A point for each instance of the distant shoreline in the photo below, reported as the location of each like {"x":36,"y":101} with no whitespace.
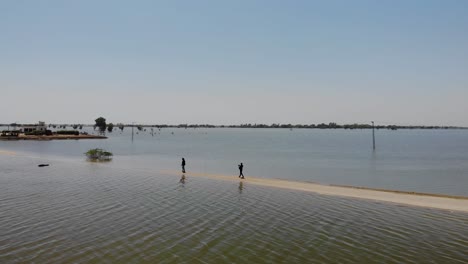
{"x":272,"y":126}
{"x":52,"y":137}
{"x":345,"y":127}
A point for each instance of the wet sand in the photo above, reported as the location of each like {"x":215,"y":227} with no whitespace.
{"x":438,"y":201}
{"x":8,"y":153}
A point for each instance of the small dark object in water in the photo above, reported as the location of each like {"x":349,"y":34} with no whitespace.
{"x":43,"y":165}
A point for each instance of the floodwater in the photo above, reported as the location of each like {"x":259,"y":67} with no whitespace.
{"x":431,"y":161}
{"x":129,"y":211}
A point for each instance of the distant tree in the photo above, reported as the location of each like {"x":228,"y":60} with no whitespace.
{"x":101,"y":123}
{"x":121,"y":126}
{"x":110,"y":127}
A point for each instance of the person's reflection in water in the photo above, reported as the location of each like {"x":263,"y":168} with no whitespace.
{"x":241,"y":187}
{"x":182,"y":179}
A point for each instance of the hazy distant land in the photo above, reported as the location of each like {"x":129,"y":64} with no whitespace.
{"x":255,"y":125}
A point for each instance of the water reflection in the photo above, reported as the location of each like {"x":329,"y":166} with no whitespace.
{"x":241,"y":187}
{"x":182,"y":179}
{"x":373,"y":162}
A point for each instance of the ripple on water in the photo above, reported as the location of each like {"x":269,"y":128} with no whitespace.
{"x":79,"y":213}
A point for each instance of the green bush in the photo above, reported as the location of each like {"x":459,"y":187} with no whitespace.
{"x":98,"y":154}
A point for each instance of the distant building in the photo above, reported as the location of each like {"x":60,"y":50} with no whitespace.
{"x":28,"y":128}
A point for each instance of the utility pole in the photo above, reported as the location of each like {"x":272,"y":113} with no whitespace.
{"x":133,"y":124}
{"x":373,"y":135}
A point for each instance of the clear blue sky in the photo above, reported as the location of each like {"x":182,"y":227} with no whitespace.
{"x":223,"y":62}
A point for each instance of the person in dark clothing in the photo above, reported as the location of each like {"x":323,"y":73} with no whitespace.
{"x":183,"y":165}
{"x":241,"y":167}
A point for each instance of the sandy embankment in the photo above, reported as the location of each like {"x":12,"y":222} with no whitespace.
{"x":8,"y":153}
{"x":446,"y":202}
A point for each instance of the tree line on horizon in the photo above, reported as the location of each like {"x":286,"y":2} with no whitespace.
{"x":101,"y":124}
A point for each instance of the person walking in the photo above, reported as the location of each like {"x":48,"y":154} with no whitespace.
{"x":183,"y":165}
{"x":241,"y":174}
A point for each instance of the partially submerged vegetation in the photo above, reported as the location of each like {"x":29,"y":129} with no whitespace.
{"x":110,"y":127}
{"x":101,"y":124}
{"x":98,"y":154}
{"x":332,"y":125}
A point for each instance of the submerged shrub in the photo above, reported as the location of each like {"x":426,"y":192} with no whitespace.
{"x":98,"y":154}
